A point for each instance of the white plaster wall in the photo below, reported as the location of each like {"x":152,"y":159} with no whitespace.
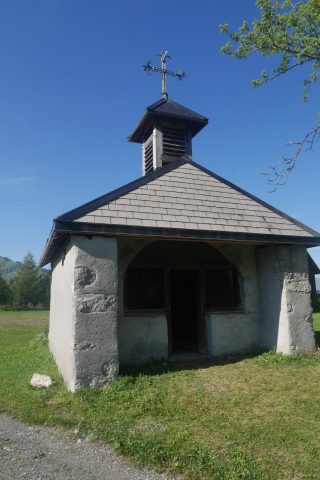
{"x":230,"y":333}
{"x":62,"y":314}
{"x":142,"y":338}
{"x":285,"y":301}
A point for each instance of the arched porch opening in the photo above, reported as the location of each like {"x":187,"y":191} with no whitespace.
{"x":184,"y":281}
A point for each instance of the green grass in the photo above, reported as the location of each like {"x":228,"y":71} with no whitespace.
{"x":316,"y":327}
{"x":254,"y":419}
{"x":34,"y":317}
{"x":316,"y":322}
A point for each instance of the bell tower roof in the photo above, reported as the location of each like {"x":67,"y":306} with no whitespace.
{"x":167,"y":109}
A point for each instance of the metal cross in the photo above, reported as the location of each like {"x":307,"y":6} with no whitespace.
{"x":148,"y":67}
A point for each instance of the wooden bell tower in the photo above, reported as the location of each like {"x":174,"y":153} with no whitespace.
{"x":167,"y":128}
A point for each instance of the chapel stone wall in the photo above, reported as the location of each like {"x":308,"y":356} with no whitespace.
{"x":142,"y":337}
{"x":285,"y":303}
{"x":237,"y":332}
{"x":96,"y":307}
{"x":87,"y":277}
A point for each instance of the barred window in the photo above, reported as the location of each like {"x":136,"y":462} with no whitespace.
{"x":222,"y":289}
{"x":144,"y":288}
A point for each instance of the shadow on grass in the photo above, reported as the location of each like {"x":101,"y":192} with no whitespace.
{"x":317,"y":337}
{"x":176,"y":364}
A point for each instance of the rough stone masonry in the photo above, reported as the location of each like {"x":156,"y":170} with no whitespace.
{"x":87,"y":275}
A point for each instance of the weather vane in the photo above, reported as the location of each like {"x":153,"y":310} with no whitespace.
{"x":148,"y":67}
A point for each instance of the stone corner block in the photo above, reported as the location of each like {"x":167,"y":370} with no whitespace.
{"x":93,"y":303}
{"x":84,"y":277}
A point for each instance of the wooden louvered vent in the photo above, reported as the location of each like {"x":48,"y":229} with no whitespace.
{"x":174,"y":141}
{"x":148,"y":157}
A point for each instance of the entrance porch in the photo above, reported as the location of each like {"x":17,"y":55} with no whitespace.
{"x":181,"y":297}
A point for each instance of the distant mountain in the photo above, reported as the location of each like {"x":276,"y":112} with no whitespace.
{"x":8,"y":268}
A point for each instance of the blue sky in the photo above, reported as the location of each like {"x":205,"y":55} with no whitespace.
{"x":72,"y":88}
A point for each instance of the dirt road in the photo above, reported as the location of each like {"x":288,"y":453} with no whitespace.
{"x":41,"y":453}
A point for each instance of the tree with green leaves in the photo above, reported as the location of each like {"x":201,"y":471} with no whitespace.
{"x":290,"y":33}
{"x":26,"y":284}
{"x":4,"y":292}
{"x":45,"y":287}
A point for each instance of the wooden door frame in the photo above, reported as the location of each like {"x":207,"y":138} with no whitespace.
{"x":202,"y":328}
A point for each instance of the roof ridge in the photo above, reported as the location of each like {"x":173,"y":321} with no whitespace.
{"x":256,"y":199}
{"x":187,"y":108}
{"x":162,"y":101}
{"x":156,"y":104}
{"x":119,"y":192}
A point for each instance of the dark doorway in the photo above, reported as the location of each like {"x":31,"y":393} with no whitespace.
{"x":185,"y":310}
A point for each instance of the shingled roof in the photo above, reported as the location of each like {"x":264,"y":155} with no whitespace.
{"x":183,"y":200}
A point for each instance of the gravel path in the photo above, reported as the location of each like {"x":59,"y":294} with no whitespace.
{"x":41,"y":453}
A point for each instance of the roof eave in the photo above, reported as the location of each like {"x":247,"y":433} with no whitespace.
{"x":313,"y":266}
{"x":62,"y":229}
{"x":53,"y":245}
{"x":139,"y":133}
{"x":83,"y":227}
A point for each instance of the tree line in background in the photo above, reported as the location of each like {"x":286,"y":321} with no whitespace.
{"x":29,"y":288}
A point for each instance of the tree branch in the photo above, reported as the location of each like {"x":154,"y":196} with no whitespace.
{"x":291,"y":67}
{"x":279,"y":172}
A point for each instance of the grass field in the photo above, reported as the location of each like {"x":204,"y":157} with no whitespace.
{"x":254,"y":419}
{"x":316,"y":322}
{"x":24,"y":318}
